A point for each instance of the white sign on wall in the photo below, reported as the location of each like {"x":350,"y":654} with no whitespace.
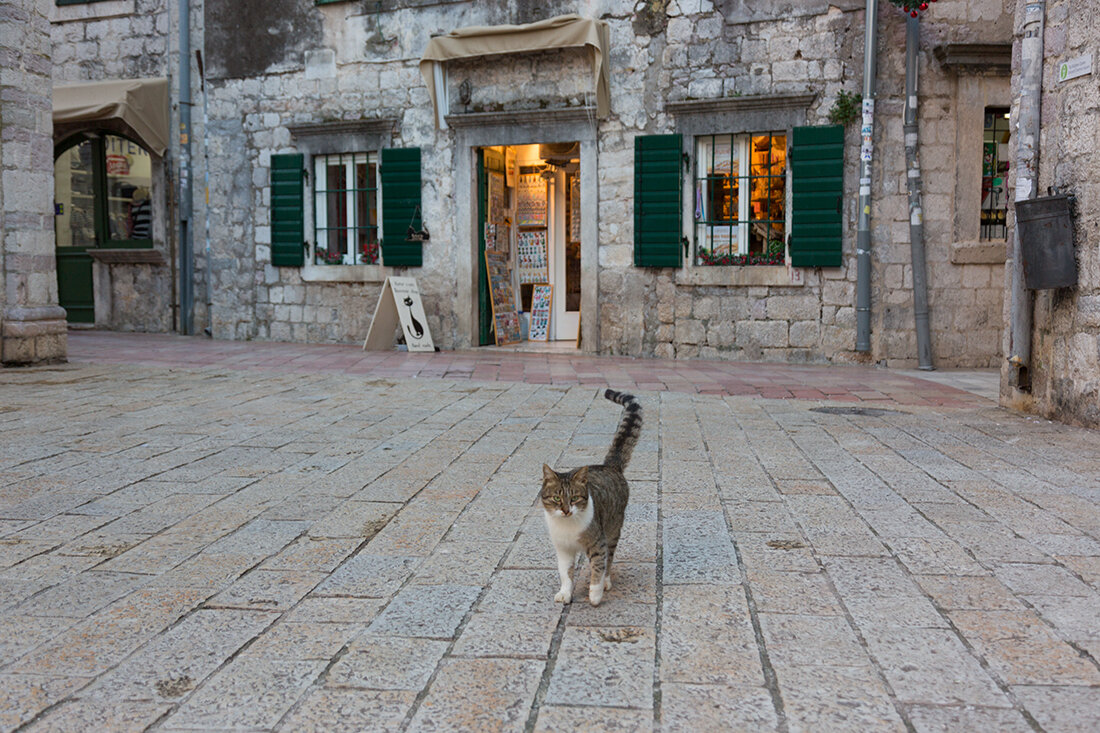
{"x":399,"y":304}
{"x":1080,"y":66}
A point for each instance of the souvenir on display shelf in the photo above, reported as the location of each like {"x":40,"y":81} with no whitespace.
{"x":541,"y":299}
{"x":531,"y":201}
{"x":502,"y":298}
{"x":531,"y":252}
{"x":575,"y":208}
{"x":497,"y":193}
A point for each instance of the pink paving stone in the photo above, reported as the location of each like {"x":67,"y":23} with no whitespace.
{"x":774,"y":381}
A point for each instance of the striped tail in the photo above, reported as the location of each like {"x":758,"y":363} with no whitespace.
{"x":630,"y":426}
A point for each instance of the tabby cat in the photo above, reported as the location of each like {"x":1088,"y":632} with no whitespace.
{"x":584,"y":507}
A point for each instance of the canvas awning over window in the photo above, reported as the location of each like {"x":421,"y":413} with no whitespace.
{"x":564,"y":31}
{"x":140,"y":103}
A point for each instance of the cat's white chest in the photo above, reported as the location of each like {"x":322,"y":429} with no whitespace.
{"x":565,"y":532}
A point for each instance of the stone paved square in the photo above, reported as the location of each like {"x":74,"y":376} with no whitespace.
{"x":230,"y":547}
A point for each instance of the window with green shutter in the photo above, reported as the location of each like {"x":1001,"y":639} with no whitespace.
{"x":658,"y":236}
{"x":401,"y":207}
{"x":817,"y":186}
{"x":287,"y":210}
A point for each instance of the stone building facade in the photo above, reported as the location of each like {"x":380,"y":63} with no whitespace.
{"x":32,"y":325}
{"x":339,"y":75}
{"x":316,"y":79}
{"x":1065,"y":347}
{"x":127,"y":287}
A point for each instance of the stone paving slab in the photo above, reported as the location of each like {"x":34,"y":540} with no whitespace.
{"x":245,"y":546}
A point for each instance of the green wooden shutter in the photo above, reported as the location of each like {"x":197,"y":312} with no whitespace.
{"x":287,"y":210}
{"x":657,"y":201}
{"x":400,"y":206}
{"x":817,"y":183}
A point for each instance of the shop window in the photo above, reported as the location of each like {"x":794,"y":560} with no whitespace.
{"x":102,"y":193}
{"x":345,"y":209}
{"x":995,"y":174}
{"x":740,"y":199}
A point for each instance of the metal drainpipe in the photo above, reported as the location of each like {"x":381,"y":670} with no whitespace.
{"x":1027,"y":179}
{"x":914,"y":186}
{"x":209,"y":330}
{"x":866,"y":154}
{"x":186,"y":270}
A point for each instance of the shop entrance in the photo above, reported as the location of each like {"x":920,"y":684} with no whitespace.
{"x":528,"y":215}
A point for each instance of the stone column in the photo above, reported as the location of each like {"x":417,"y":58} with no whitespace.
{"x":32,"y":324}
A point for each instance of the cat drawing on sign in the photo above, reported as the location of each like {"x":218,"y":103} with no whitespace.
{"x":417,"y":330}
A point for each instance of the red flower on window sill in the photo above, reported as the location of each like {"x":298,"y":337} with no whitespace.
{"x":706,"y":257}
{"x":369,"y":252}
{"x":326,"y":257}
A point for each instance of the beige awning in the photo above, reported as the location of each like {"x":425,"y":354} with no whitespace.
{"x":140,"y":103}
{"x":564,"y":31}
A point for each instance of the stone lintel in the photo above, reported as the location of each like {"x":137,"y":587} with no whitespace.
{"x":741,"y":104}
{"x":976,"y":57}
{"x":377,"y":126}
{"x":523,"y":116}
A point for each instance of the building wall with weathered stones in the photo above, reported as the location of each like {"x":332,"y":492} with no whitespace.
{"x":125,"y":39}
{"x":348,"y":63}
{"x":703,"y":55}
{"x":32,"y":325}
{"x":1065,"y":351}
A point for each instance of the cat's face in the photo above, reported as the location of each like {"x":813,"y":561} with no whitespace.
{"x":563,"y":495}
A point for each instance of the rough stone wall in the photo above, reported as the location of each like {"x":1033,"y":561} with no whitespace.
{"x":731,"y":51}
{"x":360,"y":64}
{"x":965,"y":291}
{"x":116,"y":39}
{"x":125,"y":39}
{"x":32,"y":326}
{"x":1065,"y":360}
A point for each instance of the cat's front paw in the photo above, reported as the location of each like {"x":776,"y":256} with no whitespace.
{"x":565,"y":595}
{"x":595,"y":594}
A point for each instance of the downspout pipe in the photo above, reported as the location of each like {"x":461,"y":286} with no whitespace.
{"x":866,"y":156}
{"x":1027,"y":179}
{"x":209,"y":330}
{"x":187,"y":265}
{"x":914,"y":186}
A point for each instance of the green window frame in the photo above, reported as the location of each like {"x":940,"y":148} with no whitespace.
{"x":739,"y":199}
{"x":400,"y":174}
{"x":658,"y":235}
{"x":345,"y":209}
{"x":817,"y":196}
{"x":287,"y":210}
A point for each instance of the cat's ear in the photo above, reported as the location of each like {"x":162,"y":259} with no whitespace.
{"x":548,"y":473}
{"x":580,"y":478}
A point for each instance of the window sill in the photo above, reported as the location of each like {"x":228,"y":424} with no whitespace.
{"x":979,"y":253}
{"x":778,"y":276}
{"x":345,"y":273}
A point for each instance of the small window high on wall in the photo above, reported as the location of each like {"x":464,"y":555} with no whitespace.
{"x":995,"y":174}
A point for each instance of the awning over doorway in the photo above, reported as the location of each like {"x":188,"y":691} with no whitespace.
{"x":140,"y":103}
{"x":564,"y":31}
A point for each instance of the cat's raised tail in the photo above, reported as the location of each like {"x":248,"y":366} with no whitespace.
{"x":630,"y":426}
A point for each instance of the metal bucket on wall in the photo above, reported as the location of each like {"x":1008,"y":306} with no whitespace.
{"x":1045,"y":228}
